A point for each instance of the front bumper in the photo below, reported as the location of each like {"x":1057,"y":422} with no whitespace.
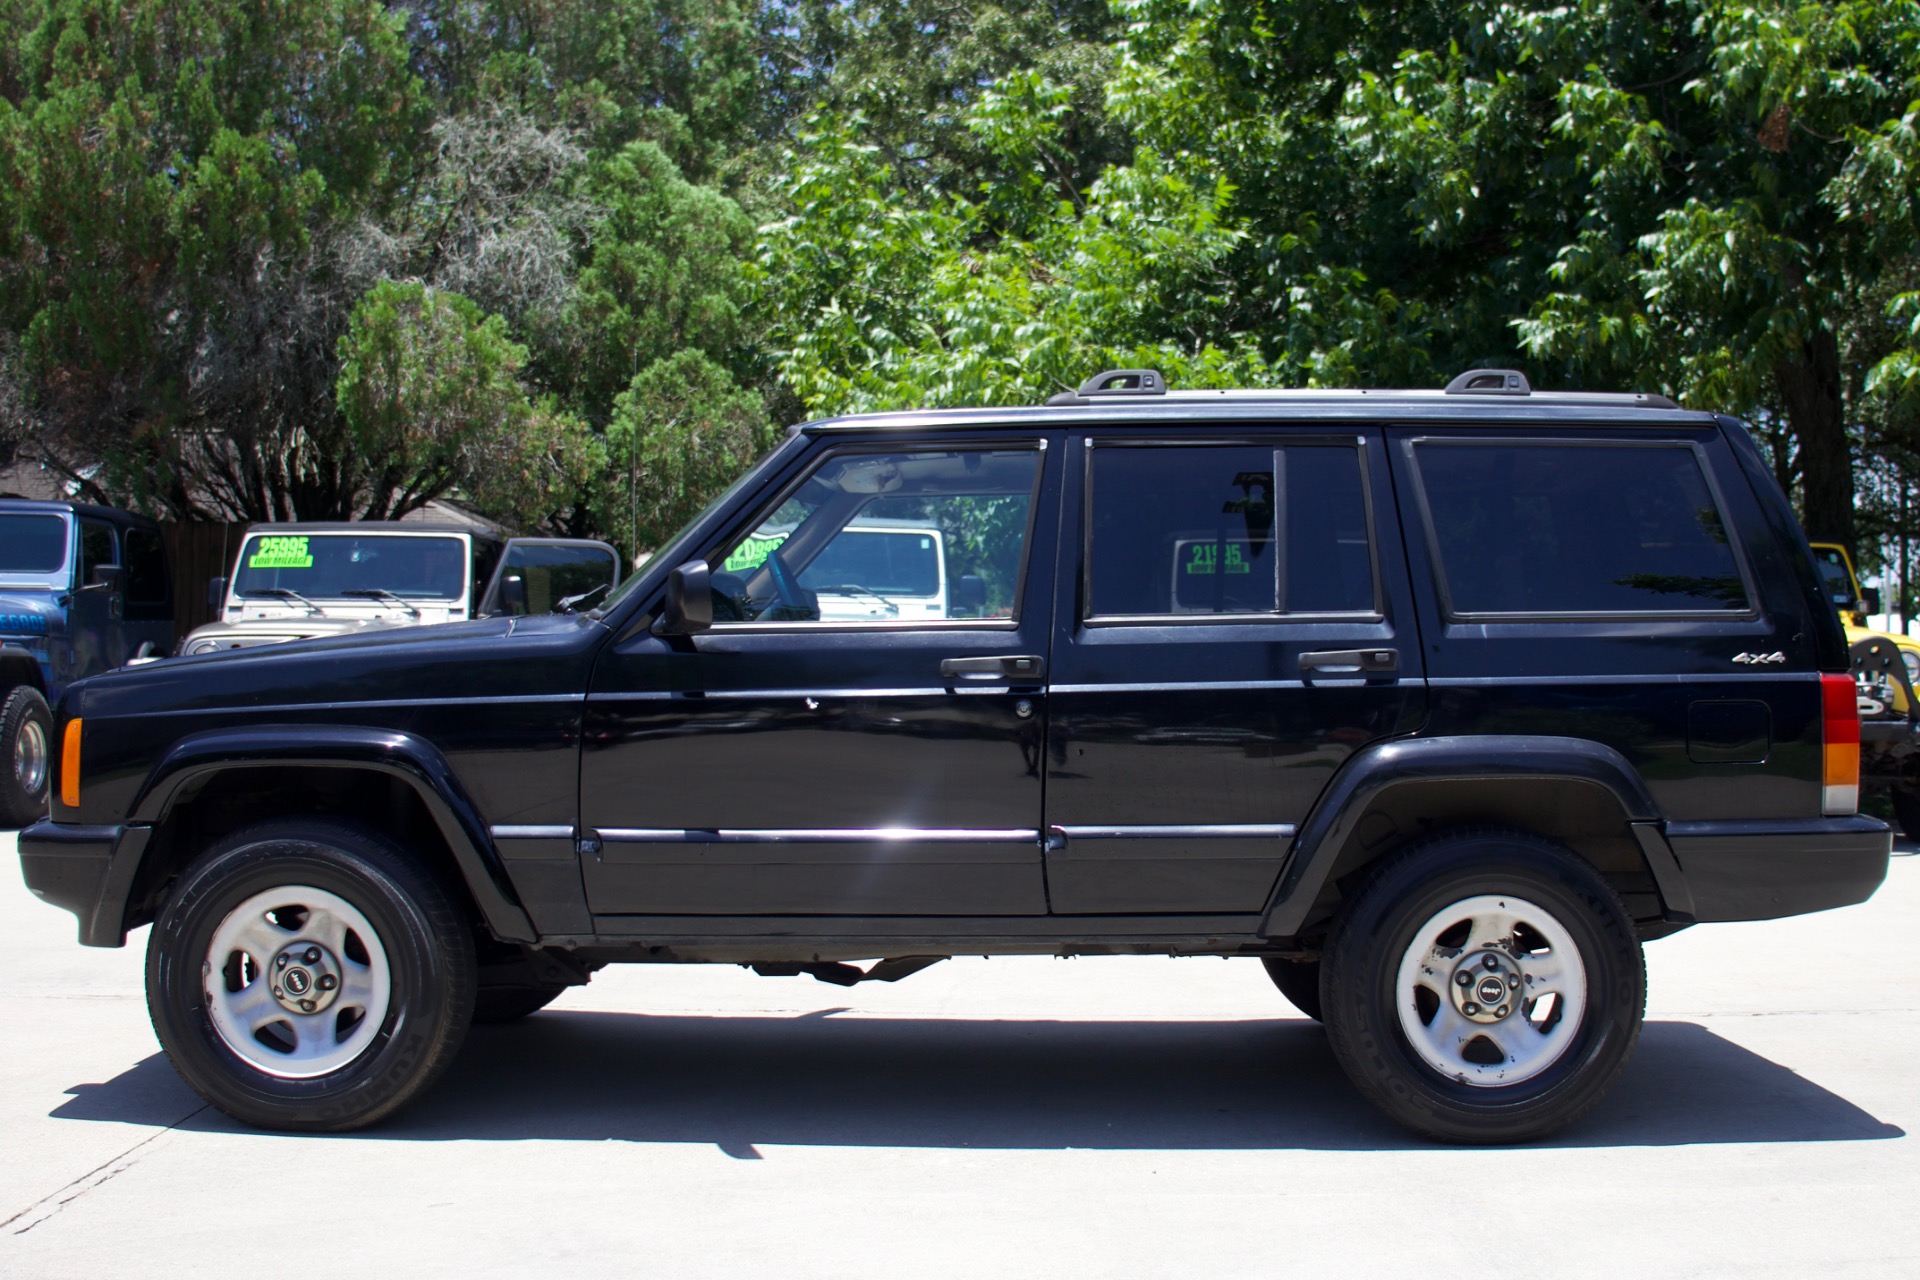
{"x":85,"y":870}
{"x":1764,"y":870}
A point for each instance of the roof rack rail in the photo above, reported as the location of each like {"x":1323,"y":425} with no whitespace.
{"x":1490,"y":382}
{"x":1115,"y":382}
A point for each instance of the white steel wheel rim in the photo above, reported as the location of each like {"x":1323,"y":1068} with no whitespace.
{"x":1494,"y":939}
{"x":253,"y":1002}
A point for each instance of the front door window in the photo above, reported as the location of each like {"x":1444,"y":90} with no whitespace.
{"x":886,"y":537}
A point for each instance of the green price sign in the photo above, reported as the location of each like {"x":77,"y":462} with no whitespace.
{"x":752,"y":553}
{"x":1203,"y":559}
{"x":285,"y":552}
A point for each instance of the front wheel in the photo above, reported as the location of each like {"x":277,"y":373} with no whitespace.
{"x":26,"y":735}
{"x":1484,"y":987}
{"x":309,"y":975}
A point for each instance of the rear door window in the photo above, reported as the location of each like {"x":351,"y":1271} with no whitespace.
{"x":146,"y":567}
{"x":1579,"y":528}
{"x":1228,"y":530}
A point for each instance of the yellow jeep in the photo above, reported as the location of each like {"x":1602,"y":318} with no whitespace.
{"x":1886,"y":667}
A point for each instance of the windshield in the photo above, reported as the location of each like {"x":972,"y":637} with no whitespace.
{"x":32,"y":543}
{"x":1835,"y":578}
{"x":326,"y":566}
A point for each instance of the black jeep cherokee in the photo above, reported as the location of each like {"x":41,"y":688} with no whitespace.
{"x":1440,"y":704}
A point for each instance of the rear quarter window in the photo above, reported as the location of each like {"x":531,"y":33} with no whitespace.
{"x":1550,"y":528}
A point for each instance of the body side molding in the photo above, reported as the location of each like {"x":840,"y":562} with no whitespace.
{"x":195,"y":760}
{"x":1480,"y":758}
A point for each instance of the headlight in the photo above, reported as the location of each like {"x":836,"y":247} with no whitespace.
{"x":1912,"y":661}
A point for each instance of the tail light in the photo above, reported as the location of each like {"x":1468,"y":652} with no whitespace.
{"x":70,"y":765}
{"x":1840,"y":745}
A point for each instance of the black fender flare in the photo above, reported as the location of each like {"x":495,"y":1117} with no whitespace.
{"x":197,"y":759}
{"x":19,"y":667}
{"x":1383,"y":765}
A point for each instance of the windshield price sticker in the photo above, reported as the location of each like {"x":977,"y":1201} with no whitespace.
{"x":281,"y":552}
{"x":752,"y":553}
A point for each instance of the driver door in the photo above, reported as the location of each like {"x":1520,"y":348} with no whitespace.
{"x":825,"y":749}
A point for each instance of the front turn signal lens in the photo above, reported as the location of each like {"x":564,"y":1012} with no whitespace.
{"x":70,"y":765}
{"x":1840,"y":745}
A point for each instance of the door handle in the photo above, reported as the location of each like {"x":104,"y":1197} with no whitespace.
{"x":1024,"y":668}
{"x":1358,"y":662}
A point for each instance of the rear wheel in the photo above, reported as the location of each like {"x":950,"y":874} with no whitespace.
{"x":308,"y":975}
{"x":26,"y":735}
{"x":1299,"y":982}
{"x":1484,"y":986}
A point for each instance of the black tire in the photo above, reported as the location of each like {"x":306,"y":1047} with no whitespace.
{"x":424,"y":936}
{"x":1906,"y":810}
{"x":1299,"y":982}
{"x":510,"y":1004}
{"x":1411,"y":891}
{"x":26,"y":737}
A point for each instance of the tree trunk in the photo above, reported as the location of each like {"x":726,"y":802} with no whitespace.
{"x":1810,"y":385}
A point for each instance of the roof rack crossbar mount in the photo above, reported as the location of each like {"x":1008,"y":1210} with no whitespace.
{"x":1490,"y":382}
{"x":1125,"y":382}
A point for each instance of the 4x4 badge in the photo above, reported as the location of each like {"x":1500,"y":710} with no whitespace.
{"x":1754,"y":659}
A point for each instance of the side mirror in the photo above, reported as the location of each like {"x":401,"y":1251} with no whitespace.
{"x":1869,"y":601}
{"x":216,"y":593}
{"x":689,"y":606}
{"x":111,"y":576}
{"x":968,"y":597}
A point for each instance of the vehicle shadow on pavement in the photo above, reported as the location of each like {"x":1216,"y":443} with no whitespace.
{"x":823,"y":1080}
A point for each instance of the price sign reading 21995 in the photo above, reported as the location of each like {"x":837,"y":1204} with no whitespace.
{"x":1203,"y":558}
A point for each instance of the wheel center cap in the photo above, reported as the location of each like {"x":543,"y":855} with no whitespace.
{"x":1487,"y":986}
{"x":306,"y":977}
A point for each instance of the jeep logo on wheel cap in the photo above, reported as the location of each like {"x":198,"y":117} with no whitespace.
{"x":297,"y":982}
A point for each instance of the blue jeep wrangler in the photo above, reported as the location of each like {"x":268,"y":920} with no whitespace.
{"x":82,"y":590}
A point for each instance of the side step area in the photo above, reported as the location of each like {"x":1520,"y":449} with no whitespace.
{"x":846,"y":975}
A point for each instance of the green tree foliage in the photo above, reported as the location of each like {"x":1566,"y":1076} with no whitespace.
{"x":666,"y":272}
{"x":671,"y":224}
{"x":430,"y":393}
{"x":680,"y":432}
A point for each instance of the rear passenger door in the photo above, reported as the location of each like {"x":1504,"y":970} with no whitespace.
{"x":1239,"y":624}
{"x":1618,"y":584}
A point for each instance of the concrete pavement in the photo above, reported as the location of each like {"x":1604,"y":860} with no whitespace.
{"x":1095,"y":1117}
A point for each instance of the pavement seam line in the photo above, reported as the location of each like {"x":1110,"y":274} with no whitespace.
{"x":91,"y":1178}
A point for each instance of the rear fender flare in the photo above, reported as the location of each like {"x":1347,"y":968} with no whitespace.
{"x":198,"y":759}
{"x":1480,"y":758}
